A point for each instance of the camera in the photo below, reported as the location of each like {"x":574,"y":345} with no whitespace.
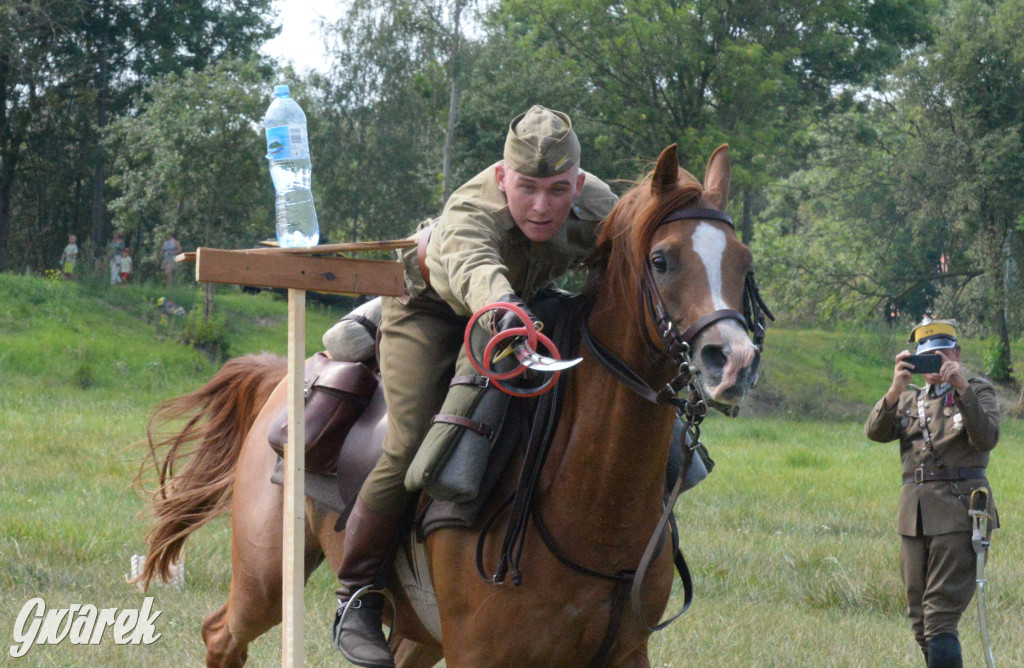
{"x":925,"y":363}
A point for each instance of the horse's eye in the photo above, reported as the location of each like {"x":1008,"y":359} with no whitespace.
{"x":659,"y":263}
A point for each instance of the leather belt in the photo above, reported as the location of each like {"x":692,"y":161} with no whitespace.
{"x":922,"y":475}
{"x":421,"y":253}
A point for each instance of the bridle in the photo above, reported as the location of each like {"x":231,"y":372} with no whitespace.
{"x":677,"y":345}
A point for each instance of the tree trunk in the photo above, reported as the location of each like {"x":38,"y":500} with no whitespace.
{"x":98,"y":208}
{"x":453,"y":104}
{"x":746,"y":224}
{"x":1003,"y":319}
{"x":207,"y":301}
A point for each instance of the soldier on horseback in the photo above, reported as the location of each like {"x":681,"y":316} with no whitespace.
{"x":502,"y":236}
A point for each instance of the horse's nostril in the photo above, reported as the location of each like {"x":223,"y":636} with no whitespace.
{"x":713,"y":357}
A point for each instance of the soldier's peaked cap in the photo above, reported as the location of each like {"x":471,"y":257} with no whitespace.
{"x":541,"y":142}
{"x":933,"y":335}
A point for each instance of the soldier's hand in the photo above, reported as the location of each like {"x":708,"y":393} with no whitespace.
{"x":952,"y":373}
{"x":508,"y":319}
{"x":900,"y":379}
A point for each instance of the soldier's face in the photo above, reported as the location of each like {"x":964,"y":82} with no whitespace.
{"x":539,"y":205}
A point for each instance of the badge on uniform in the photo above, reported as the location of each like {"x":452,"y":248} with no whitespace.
{"x":958,"y":421}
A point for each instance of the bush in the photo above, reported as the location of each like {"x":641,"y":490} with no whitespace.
{"x":209,"y":336}
{"x":997,"y":361}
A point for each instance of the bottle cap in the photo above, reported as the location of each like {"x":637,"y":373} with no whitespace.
{"x":281,"y":90}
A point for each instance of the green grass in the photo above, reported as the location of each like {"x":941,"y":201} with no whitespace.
{"x":791,"y":540}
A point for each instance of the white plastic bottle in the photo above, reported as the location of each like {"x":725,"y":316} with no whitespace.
{"x":291,"y":171}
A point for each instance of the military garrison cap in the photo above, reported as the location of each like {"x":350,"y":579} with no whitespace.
{"x":933,"y":335}
{"x":541,"y":142}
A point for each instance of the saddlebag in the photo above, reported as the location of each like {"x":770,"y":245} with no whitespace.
{"x":451,"y":462}
{"x":336,"y":394}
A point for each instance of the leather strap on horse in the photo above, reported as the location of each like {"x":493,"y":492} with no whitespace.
{"x":622,"y":373}
{"x":650,"y":553}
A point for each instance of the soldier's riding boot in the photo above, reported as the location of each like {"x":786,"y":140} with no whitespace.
{"x":369,"y":537}
{"x":944,"y":651}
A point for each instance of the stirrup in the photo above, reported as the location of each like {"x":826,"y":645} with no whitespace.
{"x":354,"y":604}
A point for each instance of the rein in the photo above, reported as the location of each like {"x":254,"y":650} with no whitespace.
{"x":693,"y":409}
{"x":676,"y":346}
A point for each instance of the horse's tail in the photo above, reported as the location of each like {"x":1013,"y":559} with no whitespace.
{"x":219,"y":416}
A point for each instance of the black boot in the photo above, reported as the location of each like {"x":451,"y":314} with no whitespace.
{"x":369,"y":537}
{"x":944,"y":651}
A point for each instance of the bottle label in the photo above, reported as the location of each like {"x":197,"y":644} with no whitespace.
{"x":287,"y":142}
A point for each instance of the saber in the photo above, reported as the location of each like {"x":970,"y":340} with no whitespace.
{"x":980,"y":517}
{"x":531,"y":359}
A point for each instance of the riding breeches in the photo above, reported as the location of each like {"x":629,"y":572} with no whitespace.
{"x":938,"y":573}
{"x":419,"y":347}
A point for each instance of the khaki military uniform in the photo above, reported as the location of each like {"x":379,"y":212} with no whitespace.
{"x":476,"y":255}
{"x":937,"y":560}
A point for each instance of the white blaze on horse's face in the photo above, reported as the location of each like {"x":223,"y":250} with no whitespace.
{"x":705,"y":265}
{"x":709,"y":244}
{"x":724,"y":352}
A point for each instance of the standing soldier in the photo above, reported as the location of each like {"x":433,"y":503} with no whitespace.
{"x":502,"y":236}
{"x":946,"y":430}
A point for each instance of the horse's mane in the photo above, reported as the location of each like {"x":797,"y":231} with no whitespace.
{"x":618,"y":259}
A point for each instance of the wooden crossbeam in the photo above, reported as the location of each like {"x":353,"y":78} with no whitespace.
{"x":299,"y":271}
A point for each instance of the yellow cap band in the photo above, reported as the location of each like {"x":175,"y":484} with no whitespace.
{"x":933,"y":329}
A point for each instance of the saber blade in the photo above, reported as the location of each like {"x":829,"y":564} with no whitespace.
{"x":990,"y":660}
{"x":531,"y":359}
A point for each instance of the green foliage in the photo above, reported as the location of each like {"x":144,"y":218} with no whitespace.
{"x":191,"y":160}
{"x":208,"y":335}
{"x":67,"y":69}
{"x":997,"y":361}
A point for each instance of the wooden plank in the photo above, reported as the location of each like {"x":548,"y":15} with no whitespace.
{"x":300,"y":272}
{"x":351,"y":247}
{"x":293,"y":533}
{"x":325,"y":249}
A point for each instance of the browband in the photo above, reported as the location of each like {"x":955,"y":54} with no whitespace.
{"x":698,"y":212}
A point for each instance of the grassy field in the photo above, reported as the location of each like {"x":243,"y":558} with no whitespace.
{"x":791,"y":540}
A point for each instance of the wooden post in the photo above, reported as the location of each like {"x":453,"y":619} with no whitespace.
{"x":293,"y":576}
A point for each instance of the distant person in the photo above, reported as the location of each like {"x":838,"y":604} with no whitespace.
{"x":114,"y":249}
{"x":69,"y":257}
{"x":126,"y":265}
{"x":170,"y":249}
{"x":946,"y":430}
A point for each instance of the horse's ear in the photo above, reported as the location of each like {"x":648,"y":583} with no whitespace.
{"x":717,"y":177}
{"x":666,"y":172}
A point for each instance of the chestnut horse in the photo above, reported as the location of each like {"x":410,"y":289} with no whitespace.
{"x":666,"y":261}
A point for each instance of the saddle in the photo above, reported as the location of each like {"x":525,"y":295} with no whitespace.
{"x":348,"y":454}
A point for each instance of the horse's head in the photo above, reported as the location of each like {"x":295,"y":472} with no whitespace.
{"x":670,"y":242}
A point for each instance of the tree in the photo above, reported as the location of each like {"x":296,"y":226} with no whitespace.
{"x":392,"y":94}
{"x":967,"y":90}
{"x":651,"y":72}
{"x":913,"y":202}
{"x":84,"y":63}
{"x":192,"y":160}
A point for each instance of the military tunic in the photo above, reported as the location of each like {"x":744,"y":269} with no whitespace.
{"x":475,"y":255}
{"x":936,"y":557}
